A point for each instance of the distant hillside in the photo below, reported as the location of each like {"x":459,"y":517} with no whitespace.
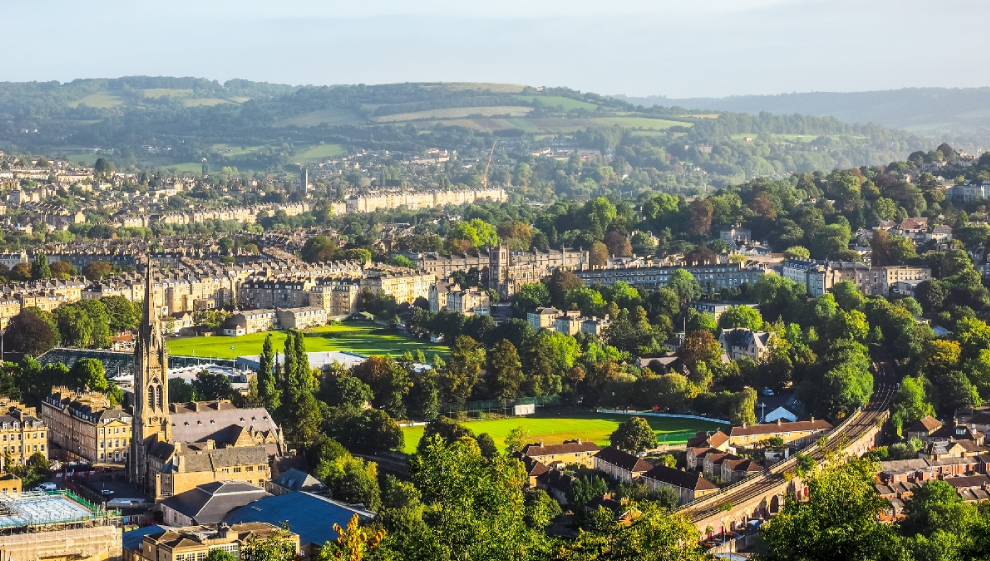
{"x":961,"y":112}
{"x":178,"y":122}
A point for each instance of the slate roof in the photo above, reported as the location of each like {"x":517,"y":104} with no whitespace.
{"x":189,"y":425}
{"x":309,"y":515}
{"x":295,"y":480}
{"x":209,"y":503}
{"x":968,"y":481}
{"x":623,"y":460}
{"x":132,"y":539}
{"x":678,"y":478}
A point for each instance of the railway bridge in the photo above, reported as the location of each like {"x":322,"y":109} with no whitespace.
{"x":764,"y":494}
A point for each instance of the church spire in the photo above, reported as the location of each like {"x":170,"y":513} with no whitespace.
{"x":149,"y":315}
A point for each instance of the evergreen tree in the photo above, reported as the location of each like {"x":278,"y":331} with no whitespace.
{"x":268,"y":386}
{"x":301,"y":411}
{"x":41,"y":268}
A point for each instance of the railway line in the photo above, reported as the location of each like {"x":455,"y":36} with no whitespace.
{"x":864,"y":420}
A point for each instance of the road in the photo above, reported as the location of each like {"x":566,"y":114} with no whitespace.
{"x":884,"y":387}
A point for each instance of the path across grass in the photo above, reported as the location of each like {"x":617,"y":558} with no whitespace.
{"x":554,"y":429}
{"x":352,"y":337}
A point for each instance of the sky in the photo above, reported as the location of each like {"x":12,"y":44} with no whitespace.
{"x":676,"y":48}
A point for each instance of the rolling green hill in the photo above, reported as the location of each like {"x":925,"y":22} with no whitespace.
{"x":177,"y":122}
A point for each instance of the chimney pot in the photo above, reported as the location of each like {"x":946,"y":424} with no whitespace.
{"x":778,"y":422}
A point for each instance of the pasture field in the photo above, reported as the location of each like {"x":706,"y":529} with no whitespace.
{"x":455,"y":113}
{"x":188,"y":167}
{"x":318,"y":153}
{"x":482,"y":86}
{"x":166,"y":92}
{"x":332,"y":116}
{"x":556,"y":428}
{"x":101,"y":100}
{"x":558,"y":101}
{"x":235,"y":151}
{"x":353,"y":337}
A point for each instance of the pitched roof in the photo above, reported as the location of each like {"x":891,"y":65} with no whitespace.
{"x":968,"y":481}
{"x":678,"y":478}
{"x":623,"y":460}
{"x":568,"y":447}
{"x":309,"y":515}
{"x":209,"y":503}
{"x":897,"y":466}
{"x":920,"y":223}
{"x":925,"y":424}
{"x":708,"y":439}
{"x":774,"y":428}
{"x":295,"y":480}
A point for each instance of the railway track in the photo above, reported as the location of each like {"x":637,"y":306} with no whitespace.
{"x":884,"y":386}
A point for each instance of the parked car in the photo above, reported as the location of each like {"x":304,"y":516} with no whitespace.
{"x":46,"y":486}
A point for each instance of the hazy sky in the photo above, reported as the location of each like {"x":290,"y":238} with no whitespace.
{"x":676,"y":48}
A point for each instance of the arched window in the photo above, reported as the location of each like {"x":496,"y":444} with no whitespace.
{"x":161,"y":396}
{"x":151,"y":396}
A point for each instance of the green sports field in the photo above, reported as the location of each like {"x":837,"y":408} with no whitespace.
{"x":353,"y":337}
{"x":554,"y":429}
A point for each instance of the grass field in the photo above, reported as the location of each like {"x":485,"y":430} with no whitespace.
{"x":235,"y":151}
{"x":455,"y":113}
{"x":554,"y":429}
{"x":166,"y":92}
{"x":333,"y":116}
{"x":482,"y":86}
{"x":101,"y":100}
{"x":558,"y":101}
{"x":318,"y":153}
{"x":352,"y":337}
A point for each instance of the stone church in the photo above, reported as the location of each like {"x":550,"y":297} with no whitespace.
{"x":176,"y":447}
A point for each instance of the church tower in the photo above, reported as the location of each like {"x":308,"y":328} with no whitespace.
{"x":150,"y":422}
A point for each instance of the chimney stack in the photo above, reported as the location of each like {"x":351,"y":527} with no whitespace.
{"x":778,"y":422}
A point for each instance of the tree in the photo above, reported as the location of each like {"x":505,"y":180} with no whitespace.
{"x":559,"y":284}
{"x":180,"y":391}
{"x":21,"y":272}
{"x":423,"y":401}
{"x":618,"y":244}
{"x":30,"y":334}
{"x":269,"y":389}
{"x":277,"y":546}
{"x":487,"y":445}
{"x":88,"y":373}
{"x":41,"y":269}
{"x":463,"y":370}
{"x":121,"y":313}
{"x":318,"y":249}
{"x":743,"y":408}
{"x":62,"y":269}
{"x":218,"y":554}
{"x":351,"y":544}
{"x":517,"y":439}
{"x":598,"y":254}
{"x":634,"y":435}
{"x":585,"y":488}
{"x":810,"y":531}
{"x":504,"y":371}
{"x":700,"y":212}
{"x":301,"y":412}
{"x":389,"y":383}
{"x":683,"y":283}
{"x":740,"y":316}
{"x":541,"y":509}
{"x":97,"y":270}
{"x":344,"y":390}
{"x":847,"y":296}
{"x":797,"y":252}
{"x":529,"y":297}
{"x":910,"y":403}
{"x":210,"y":387}
{"x":350,"y":479}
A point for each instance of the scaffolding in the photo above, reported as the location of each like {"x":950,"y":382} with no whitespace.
{"x":39,"y":508}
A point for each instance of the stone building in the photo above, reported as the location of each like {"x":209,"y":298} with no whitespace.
{"x":84,"y":425}
{"x":22,"y":433}
{"x":194,"y":543}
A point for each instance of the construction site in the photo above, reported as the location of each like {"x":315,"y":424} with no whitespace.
{"x":57,"y":526}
